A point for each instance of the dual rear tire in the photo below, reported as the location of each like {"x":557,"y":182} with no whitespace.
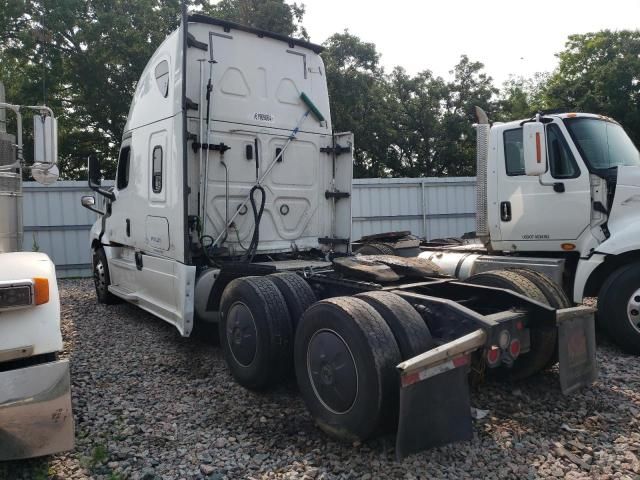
{"x":346,"y":352}
{"x":258,"y":316}
{"x":343,"y":350}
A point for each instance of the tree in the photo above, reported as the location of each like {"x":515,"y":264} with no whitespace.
{"x":91,"y":54}
{"x":600,"y":73}
{"x":357,"y":92}
{"x":272,"y":15}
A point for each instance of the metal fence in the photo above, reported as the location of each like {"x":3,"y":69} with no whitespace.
{"x":56,"y":223}
{"x":428,"y":207}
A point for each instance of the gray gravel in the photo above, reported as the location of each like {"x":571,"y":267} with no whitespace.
{"x":149,"y":404}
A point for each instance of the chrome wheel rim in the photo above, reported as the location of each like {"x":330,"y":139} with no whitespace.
{"x":633,"y":310}
{"x":99,"y":276}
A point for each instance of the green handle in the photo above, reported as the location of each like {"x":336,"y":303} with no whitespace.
{"x":307,"y":101}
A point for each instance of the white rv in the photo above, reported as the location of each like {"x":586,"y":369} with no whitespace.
{"x":232,"y":205}
{"x":35,"y":396}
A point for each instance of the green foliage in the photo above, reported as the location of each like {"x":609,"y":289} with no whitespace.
{"x":403,"y":125}
{"x":91,"y":54}
{"x":600,"y":73}
{"x":272,"y":15}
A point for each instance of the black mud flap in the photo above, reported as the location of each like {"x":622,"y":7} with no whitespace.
{"x":435,"y":407}
{"x":576,"y":348}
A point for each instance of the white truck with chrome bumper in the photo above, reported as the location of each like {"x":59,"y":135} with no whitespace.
{"x":35,"y":396}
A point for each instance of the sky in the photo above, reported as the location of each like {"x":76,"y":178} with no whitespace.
{"x":513,"y":37}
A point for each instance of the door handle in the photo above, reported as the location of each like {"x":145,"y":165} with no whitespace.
{"x":128,"y":227}
{"x":505,"y":211}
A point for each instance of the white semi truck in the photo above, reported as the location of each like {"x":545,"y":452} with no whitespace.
{"x":557,"y":193}
{"x":232,"y":205}
{"x":35,"y":396}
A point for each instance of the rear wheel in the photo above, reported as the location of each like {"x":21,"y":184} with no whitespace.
{"x":375,"y":249}
{"x":296,"y":292}
{"x":555,"y":295}
{"x":543,"y":339}
{"x":345,"y":358}
{"x":102,"y":279}
{"x":619,"y":307}
{"x":409,"y":329}
{"x":255,"y":332}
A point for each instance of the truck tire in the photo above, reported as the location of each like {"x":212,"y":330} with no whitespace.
{"x":619,"y":307}
{"x":297,"y":293}
{"x":102,"y":279}
{"x":543,"y":339}
{"x":409,"y":329}
{"x":375,"y":248}
{"x":555,"y":295}
{"x":345,"y":358}
{"x":255,"y":332}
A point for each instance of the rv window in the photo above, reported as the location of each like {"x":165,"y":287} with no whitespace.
{"x":156,"y":170}
{"x":123,"y":168}
{"x":513,"y":153}
{"x":162,"y":77}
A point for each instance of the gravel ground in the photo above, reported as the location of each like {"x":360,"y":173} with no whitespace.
{"x":149,"y":404}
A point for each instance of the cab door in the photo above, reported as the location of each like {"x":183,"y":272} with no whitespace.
{"x":541,"y":213}
{"x":120,"y":225}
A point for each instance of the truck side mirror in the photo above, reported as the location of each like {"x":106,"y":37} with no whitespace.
{"x":45,"y":139}
{"x":95,"y":178}
{"x":94,"y":171}
{"x":535,"y":148}
{"x":89,"y":202}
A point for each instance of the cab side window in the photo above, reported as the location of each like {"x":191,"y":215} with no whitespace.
{"x":561,"y":161}
{"x":122,"y":177}
{"x":162,"y":77}
{"x":513,"y":152}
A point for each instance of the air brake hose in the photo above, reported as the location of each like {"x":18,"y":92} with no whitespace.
{"x":257,"y":217}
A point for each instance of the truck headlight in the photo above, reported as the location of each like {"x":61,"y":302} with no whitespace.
{"x":23,"y":293}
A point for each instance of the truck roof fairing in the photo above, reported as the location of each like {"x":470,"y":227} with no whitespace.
{"x":228,"y":26}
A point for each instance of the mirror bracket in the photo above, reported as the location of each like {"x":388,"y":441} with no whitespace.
{"x":94,"y":179}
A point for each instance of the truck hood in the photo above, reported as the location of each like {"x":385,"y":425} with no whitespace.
{"x":21,"y":265}
{"x":36,"y":327}
{"x":624,"y":219}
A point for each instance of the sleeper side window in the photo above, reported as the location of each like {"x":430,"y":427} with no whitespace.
{"x":156,"y":170}
{"x":513,"y":152}
{"x":124,"y":162}
{"x":561,"y":161}
{"x":162,"y":77}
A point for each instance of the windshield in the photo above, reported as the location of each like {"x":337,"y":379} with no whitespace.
{"x":602,"y":144}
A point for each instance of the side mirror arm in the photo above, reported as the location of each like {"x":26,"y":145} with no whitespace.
{"x":102,"y":191}
{"x":94,"y":174}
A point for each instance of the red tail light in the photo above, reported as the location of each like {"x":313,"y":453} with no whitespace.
{"x":514,"y":348}
{"x":493,"y":355}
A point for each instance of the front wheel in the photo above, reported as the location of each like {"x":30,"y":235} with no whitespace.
{"x":619,"y":307}
{"x":101,"y":278}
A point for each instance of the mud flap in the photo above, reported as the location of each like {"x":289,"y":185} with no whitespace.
{"x":436,"y":410}
{"x":576,"y":348}
{"x":435,"y":407}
